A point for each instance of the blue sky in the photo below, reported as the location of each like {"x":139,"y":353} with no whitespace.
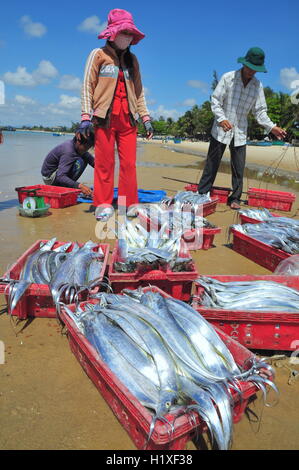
{"x":44,"y":46}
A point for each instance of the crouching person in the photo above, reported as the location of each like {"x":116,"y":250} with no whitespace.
{"x":64,"y":165}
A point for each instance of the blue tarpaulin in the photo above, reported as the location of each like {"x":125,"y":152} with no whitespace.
{"x":144,"y":195}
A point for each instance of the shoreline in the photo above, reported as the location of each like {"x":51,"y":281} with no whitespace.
{"x":282,"y":159}
{"x":41,"y":132}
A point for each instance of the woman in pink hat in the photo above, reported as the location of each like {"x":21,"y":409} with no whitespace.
{"x":113,"y":99}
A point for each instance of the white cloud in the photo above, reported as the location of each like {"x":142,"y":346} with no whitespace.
{"x":69,"y":82}
{"x":42,"y":75}
{"x":166,"y":113}
{"x":24,"y":111}
{"x":189,"y":102}
{"x":24,"y":100}
{"x":92,"y":25}
{"x":19,"y":78}
{"x":44,"y":72}
{"x":288,"y":76}
{"x":33,"y":29}
{"x":69,"y":102}
{"x":202,"y":86}
{"x":148,"y":99}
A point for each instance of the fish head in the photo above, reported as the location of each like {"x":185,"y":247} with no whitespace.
{"x":167,"y":399}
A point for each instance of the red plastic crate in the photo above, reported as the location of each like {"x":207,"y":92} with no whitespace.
{"x":254,"y":329}
{"x":57,"y":196}
{"x":131,"y":414}
{"x":244,"y":219}
{"x":195,"y":239}
{"x":177,"y":284}
{"x":221,"y":194}
{"x":205,"y":209}
{"x":37,"y":300}
{"x":259,"y":252}
{"x":279,"y":200}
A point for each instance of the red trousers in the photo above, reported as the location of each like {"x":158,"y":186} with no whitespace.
{"x":125,"y":136}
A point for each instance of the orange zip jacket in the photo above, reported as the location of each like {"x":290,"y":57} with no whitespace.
{"x":100,"y":79}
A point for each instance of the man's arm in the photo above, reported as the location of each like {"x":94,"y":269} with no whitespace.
{"x":64,"y":167}
{"x":217,"y":100}
{"x":259,"y":111}
{"x":90,"y":159}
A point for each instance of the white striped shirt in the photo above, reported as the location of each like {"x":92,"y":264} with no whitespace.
{"x":232,"y":101}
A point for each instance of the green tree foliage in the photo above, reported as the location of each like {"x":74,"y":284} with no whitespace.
{"x":280,"y":110}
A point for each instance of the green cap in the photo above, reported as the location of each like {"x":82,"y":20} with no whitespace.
{"x":254,"y":59}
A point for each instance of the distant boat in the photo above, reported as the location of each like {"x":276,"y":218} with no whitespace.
{"x":278,"y":142}
{"x":57,"y":134}
{"x":260,"y":143}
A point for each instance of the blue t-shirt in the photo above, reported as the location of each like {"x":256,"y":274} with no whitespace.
{"x":62,"y":159}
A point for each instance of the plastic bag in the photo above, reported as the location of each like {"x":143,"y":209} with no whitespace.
{"x":288,"y":266}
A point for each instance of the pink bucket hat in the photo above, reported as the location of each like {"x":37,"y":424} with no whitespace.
{"x":120,"y":20}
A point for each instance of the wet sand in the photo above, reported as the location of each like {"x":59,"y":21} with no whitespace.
{"x":281,"y":157}
{"x":46,"y":399}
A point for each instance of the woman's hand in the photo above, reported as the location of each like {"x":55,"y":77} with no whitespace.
{"x":85,"y":190}
{"x":149,"y":129}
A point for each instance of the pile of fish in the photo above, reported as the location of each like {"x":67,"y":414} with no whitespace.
{"x":288,"y":266}
{"x":191,"y":198}
{"x":261,"y":295}
{"x":279,"y":232}
{"x":66,"y":273}
{"x":257,"y":214}
{"x":177,"y":219}
{"x":169,"y":357}
{"x":140,"y":249}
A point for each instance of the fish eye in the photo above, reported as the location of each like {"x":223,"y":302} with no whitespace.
{"x":168,"y":404}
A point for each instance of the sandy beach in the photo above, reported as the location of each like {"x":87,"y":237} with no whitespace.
{"x":284,"y":157}
{"x":46,"y":399}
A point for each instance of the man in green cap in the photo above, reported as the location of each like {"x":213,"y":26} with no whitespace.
{"x":236,"y":94}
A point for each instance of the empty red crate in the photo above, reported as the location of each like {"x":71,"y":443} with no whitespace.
{"x":37,"y":300}
{"x":249,"y":220}
{"x":221,"y":194}
{"x":177,"y":284}
{"x":57,"y":196}
{"x":270,"y":199}
{"x":131,"y":414}
{"x":260,"y":253}
{"x":254,"y":329}
{"x":195,"y":238}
